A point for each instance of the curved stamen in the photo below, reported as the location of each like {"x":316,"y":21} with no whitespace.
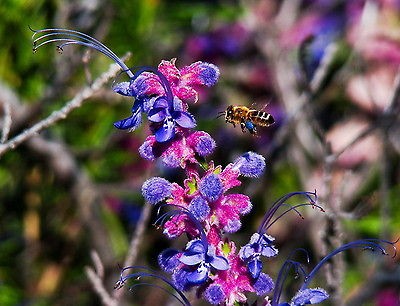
{"x":280,"y":281}
{"x":281,"y":201}
{"x":294,"y":208}
{"x":149,"y":273}
{"x":284,"y":271}
{"x":68,"y":37}
{"x":74,"y":37}
{"x":370,"y":244}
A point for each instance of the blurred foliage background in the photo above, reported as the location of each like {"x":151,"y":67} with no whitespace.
{"x":78,"y":188}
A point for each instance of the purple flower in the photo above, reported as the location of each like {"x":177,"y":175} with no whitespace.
{"x":156,"y":189}
{"x":250,"y":164}
{"x":259,"y":245}
{"x":199,"y":208}
{"x":211,"y":187}
{"x":169,"y":260}
{"x":179,"y":151}
{"x":263,"y":285}
{"x":169,"y":114}
{"x":132,"y":122}
{"x":204,"y":257}
{"x":205,"y":145}
{"x":214,"y":294}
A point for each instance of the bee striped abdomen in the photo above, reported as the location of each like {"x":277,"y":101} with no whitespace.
{"x":261,"y":118}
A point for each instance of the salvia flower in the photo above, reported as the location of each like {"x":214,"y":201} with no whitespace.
{"x":204,"y":258}
{"x":167,"y":115}
{"x":183,"y":82}
{"x":197,"y":262}
{"x":162,"y":93}
{"x":251,"y":253}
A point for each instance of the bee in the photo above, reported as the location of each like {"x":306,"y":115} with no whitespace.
{"x":247,"y":118}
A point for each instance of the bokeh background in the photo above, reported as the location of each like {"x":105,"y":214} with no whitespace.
{"x":328,"y":71}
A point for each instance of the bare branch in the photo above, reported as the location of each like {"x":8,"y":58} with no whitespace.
{"x":98,"y":286}
{"x":6,"y":121}
{"x":136,"y":240}
{"x":58,"y":115}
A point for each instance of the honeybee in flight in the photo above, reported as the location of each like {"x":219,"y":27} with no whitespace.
{"x":247,"y":118}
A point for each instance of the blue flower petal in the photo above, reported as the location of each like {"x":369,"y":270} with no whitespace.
{"x":250,"y":164}
{"x":309,"y":296}
{"x":205,"y":145}
{"x":214,"y":294}
{"x":184,"y":119}
{"x":131,"y":123}
{"x":199,"y":208}
{"x":195,"y":246}
{"x":209,"y":74}
{"x":246,"y":251}
{"x":179,"y":278}
{"x":254,"y":267}
{"x":157,"y":114}
{"x":168,"y":260}
{"x":166,"y":132}
{"x":198,"y":276}
{"x":219,"y":263}
{"x":194,"y":253}
{"x":211,"y":187}
{"x":192,"y":259}
{"x":161,"y":102}
{"x":123,"y":88}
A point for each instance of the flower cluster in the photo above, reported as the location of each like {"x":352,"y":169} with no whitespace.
{"x":163,"y":94}
{"x":204,"y":209}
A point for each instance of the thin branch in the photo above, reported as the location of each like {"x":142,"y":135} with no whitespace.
{"x":58,"y":115}
{"x":96,"y":277}
{"x":6,"y":121}
{"x":136,"y":240}
{"x":98,"y":286}
{"x":98,"y":265}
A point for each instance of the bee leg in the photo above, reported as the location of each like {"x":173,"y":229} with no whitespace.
{"x":243,"y":126}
